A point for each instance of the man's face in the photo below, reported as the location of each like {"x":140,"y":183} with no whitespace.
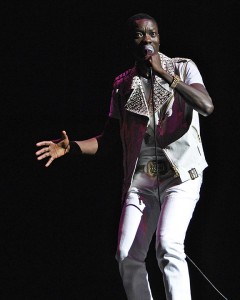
{"x":144,"y":32}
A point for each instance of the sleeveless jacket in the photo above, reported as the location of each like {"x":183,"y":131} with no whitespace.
{"x":178,"y":130}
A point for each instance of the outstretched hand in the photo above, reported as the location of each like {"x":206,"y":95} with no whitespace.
{"x":53,"y":149}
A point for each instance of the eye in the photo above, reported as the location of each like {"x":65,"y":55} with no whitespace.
{"x":138,"y":34}
{"x":153,"y":34}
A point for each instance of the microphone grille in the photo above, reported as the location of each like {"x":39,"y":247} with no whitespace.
{"x":148,"y":49}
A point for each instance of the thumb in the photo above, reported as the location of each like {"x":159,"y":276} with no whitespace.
{"x":64,"y":135}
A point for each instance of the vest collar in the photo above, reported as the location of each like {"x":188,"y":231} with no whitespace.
{"x":162,"y":93}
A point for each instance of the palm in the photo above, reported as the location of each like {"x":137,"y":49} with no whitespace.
{"x":53,"y":149}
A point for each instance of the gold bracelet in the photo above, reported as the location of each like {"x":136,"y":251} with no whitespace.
{"x":175,"y":81}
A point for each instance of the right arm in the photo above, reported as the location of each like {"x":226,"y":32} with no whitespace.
{"x":58,"y":148}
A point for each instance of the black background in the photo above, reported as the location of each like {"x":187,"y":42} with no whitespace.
{"x":58,"y":62}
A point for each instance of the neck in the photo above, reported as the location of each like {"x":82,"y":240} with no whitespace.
{"x":143,"y":69}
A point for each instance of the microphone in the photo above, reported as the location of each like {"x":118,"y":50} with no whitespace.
{"x":148,"y":50}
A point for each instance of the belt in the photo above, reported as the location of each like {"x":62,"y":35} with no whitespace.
{"x":152,"y":168}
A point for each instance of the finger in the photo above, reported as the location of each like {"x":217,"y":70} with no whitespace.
{"x":43,"y":143}
{"x":46,"y":154}
{"x":49,"y":162}
{"x":64,"y":135}
{"x":43,"y":150}
{"x":56,"y":141}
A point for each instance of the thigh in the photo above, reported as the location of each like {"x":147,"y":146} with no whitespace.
{"x":137,"y":224}
{"x":178,"y":204}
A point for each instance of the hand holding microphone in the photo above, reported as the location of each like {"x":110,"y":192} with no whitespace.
{"x":152,"y":60}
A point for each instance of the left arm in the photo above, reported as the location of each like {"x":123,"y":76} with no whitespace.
{"x":194,"y":94}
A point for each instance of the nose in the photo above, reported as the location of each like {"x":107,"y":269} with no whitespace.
{"x":147,"y":38}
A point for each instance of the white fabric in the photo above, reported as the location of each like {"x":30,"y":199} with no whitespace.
{"x":141,"y":216}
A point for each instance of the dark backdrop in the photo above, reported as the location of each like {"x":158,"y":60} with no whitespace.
{"x":58,"y":62}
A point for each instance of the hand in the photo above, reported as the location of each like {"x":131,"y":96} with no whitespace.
{"x":155,"y":63}
{"x":53,"y":149}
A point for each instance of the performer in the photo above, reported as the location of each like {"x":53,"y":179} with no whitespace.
{"x":155,"y":107}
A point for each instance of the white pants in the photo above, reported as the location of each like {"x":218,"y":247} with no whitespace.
{"x":141,"y":218}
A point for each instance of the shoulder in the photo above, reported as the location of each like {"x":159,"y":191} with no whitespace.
{"x":123,"y":77}
{"x":180,"y":60}
{"x":174,"y":64}
{"x":186,"y":68}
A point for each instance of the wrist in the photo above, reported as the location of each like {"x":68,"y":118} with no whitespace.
{"x":73,"y":149}
{"x":175,"y":81}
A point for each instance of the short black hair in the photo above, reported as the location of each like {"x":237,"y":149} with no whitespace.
{"x":139,"y":16}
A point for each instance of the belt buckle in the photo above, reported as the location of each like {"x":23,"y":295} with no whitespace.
{"x":152,"y":168}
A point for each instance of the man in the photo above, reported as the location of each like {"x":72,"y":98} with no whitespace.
{"x":155,"y":107}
